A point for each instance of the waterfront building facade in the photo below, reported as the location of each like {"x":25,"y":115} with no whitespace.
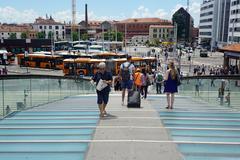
{"x":214,"y":23}
{"x":164,"y":33}
{"x":138,"y":26}
{"x":50,"y":28}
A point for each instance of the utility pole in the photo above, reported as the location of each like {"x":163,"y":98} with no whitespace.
{"x":188,"y":6}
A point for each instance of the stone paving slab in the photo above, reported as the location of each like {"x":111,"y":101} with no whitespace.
{"x":130,"y":134}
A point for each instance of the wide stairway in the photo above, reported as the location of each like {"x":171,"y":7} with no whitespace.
{"x":57,"y":131}
{"x":201,"y":130}
{"x":70,"y":130}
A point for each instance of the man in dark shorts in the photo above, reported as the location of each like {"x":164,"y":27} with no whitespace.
{"x":126,"y":73}
{"x":103,"y":94}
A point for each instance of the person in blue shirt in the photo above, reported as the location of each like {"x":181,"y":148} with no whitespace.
{"x":103,"y":95}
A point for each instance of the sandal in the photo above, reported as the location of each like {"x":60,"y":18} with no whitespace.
{"x":167,"y":107}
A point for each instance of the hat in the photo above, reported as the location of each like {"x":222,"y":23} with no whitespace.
{"x":102,"y":65}
{"x":138,"y":70}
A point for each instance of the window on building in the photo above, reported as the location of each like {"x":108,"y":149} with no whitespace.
{"x":62,"y":27}
{"x":2,"y":33}
{"x":155,"y":30}
{"x":45,"y":27}
{"x":50,"y":27}
{"x":56,"y":27}
{"x":154,"y":35}
{"x":63,"y":33}
{"x":56,"y":32}
{"x":40,"y":27}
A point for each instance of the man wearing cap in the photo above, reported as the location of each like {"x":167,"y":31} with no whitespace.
{"x":103,"y":94}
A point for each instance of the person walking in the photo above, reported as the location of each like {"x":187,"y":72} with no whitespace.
{"x":127,"y":70}
{"x":138,"y":79}
{"x":145,"y":83}
{"x":170,"y":88}
{"x":105,"y":78}
{"x":159,"y":81}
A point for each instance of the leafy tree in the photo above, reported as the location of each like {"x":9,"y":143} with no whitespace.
{"x":75,"y":36}
{"x":13,"y":36}
{"x":23,"y":35}
{"x":111,"y":35}
{"x":41,"y":35}
{"x":84,"y":36}
{"x":50,"y":35}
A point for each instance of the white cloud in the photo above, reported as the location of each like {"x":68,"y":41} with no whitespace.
{"x":11,"y":15}
{"x":142,"y":12}
{"x":194,"y":10}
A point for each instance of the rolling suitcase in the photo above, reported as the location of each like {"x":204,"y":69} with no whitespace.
{"x":134,"y":99}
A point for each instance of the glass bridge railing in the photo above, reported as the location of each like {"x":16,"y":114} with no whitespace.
{"x":219,"y":90}
{"x":25,"y":91}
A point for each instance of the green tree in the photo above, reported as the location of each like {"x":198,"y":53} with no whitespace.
{"x":13,"y":36}
{"x":84,"y":36}
{"x":50,"y":35}
{"x":111,"y":35}
{"x":41,"y":35}
{"x":23,"y":35}
{"x":75,"y":36}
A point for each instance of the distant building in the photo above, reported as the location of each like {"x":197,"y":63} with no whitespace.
{"x":138,"y":26}
{"x":164,"y":33}
{"x":7,"y":29}
{"x":195,"y":34}
{"x":139,"y":40}
{"x":234,"y":22}
{"x":214,"y":23}
{"x":93,"y":29}
{"x":184,"y":22}
{"x":48,"y":26}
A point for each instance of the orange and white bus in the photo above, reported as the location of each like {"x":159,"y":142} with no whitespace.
{"x":41,"y":61}
{"x":81,"y":66}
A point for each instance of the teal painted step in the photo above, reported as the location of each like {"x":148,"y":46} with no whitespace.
{"x":41,"y":137}
{"x":210,"y":158}
{"x":43,"y":147}
{"x":212,"y":133}
{"x":214,"y":149}
{"x":42,"y":156}
{"x":200,"y":126}
{"x":200,"y":114}
{"x":42,"y":131}
{"x":202,"y":122}
{"x":41,"y":121}
{"x":57,"y":113}
{"x":205,"y":139}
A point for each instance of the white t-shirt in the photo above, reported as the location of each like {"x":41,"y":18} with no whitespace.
{"x":131,"y":68}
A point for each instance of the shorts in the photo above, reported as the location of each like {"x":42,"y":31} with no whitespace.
{"x":127,"y":84}
{"x":102,"y":97}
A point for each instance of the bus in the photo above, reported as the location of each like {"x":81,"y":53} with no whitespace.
{"x":6,"y":57}
{"x":109,"y":55}
{"x":41,"y":61}
{"x":61,"y":45}
{"x":81,"y":66}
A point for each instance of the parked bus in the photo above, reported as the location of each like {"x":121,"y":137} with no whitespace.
{"x":109,"y":55}
{"x":6,"y":57}
{"x":41,"y":61}
{"x":81,"y":66}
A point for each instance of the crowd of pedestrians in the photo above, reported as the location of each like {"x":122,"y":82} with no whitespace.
{"x":215,"y":70}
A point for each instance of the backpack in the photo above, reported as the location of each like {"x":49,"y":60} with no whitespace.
{"x":125,"y":73}
{"x":159,"y":77}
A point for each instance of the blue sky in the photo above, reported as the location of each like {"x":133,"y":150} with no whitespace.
{"x":20,"y":11}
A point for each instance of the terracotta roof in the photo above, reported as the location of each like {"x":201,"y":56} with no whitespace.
{"x":232,"y":48}
{"x":161,"y":26}
{"x":144,"y":20}
{"x":15,"y":28}
{"x":49,"y":21}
